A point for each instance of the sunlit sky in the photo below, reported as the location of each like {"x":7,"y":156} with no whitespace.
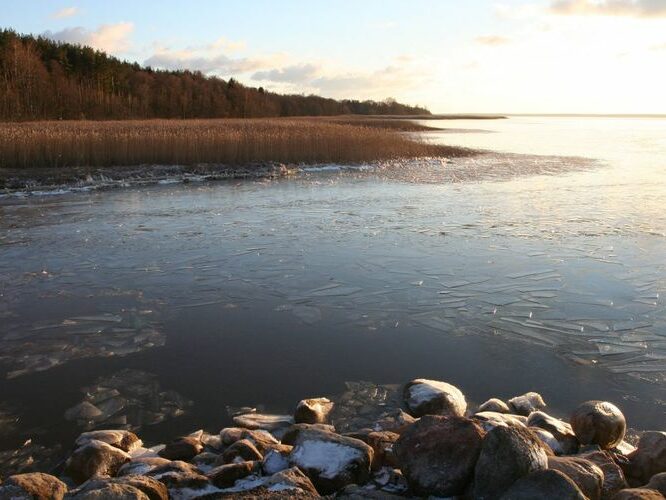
{"x":509,"y":56}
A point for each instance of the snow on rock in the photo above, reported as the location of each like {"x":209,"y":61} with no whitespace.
{"x":432,"y":397}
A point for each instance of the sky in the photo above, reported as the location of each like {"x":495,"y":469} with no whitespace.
{"x":471,"y":56}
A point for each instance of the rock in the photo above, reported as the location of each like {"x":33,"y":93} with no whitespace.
{"x":614,"y":479}
{"x":548,"y":440}
{"x":599,"y":422}
{"x":560,"y":430}
{"x":437,"y":454}
{"x":291,"y":434}
{"x":83,"y":411}
{"x":205,"y":459}
{"x":184,"y":448}
{"x":124,"y":440}
{"x":240,"y":450}
{"x":331,"y":461}
{"x":94,"y":459}
{"x":382,"y":444}
{"x":262,"y":440}
{"x":313,"y":411}
{"x":658,"y":482}
{"x":151,"y":487}
{"x":123,"y":487}
{"x":638,"y":494}
{"x":395,"y":420}
{"x":276,"y":461}
{"x":490,"y":419}
{"x":225,"y":476}
{"x":179,"y":474}
{"x":107,"y":490}
{"x":507,"y":454}
{"x":544,"y":484}
{"x":290,"y":480}
{"x":649,"y":458}
{"x":526,"y":403}
{"x":33,"y":485}
{"x":230,"y":435}
{"x":494,"y":405}
{"x":588,"y":477}
{"x":142,"y":465}
{"x":431,"y":397}
{"x":624,"y":448}
{"x":261,"y":421}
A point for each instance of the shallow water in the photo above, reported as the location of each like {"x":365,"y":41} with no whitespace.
{"x":260,"y":293}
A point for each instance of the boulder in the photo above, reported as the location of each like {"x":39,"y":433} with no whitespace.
{"x":262,"y":421}
{"x":394,"y":420}
{"x":107,"y":490}
{"x":230,"y":435}
{"x":33,"y":485}
{"x":179,"y":474}
{"x":142,"y":465}
{"x":382,"y":444}
{"x":84,"y":411}
{"x":151,"y":487}
{"x":437,"y":454}
{"x":262,"y":440}
{"x":124,"y":440}
{"x":614,"y":479}
{"x":638,"y":494}
{"x":313,"y":411}
{"x":184,"y":448}
{"x":599,"y":422}
{"x":290,"y":480}
{"x":658,"y":482}
{"x":225,"y":476}
{"x":331,"y":461}
{"x":291,"y":434}
{"x":95,"y":458}
{"x":431,"y":397}
{"x":243,"y":450}
{"x":548,"y":440}
{"x":495,"y":405}
{"x":588,"y":477}
{"x":562,"y":431}
{"x":526,"y":403}
{"x":649,"y":458}
{"x":544,"y":484}
{"x":276,"y":460}
{"x":507,"y":454}
{"x":490,"y":419}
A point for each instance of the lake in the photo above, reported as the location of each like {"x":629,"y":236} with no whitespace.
{"x":170,"y":306}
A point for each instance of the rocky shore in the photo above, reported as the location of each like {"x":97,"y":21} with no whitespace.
{"x":435,"y":445}
{"x":54,"y":180}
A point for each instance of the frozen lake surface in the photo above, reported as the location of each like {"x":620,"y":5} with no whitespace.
{"x":538,"y":267}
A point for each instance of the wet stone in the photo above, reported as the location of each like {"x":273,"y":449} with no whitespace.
{"x":598,"y":422}
{"x":494,"y":405}
{"x":35,"y":485}
{"x":242,"y":450}
{"x":588,"y":477}
{"x":313,"y":411}
{"x":95,"y":458}
{"x":648,"y":459}
{"x":543,"y":484}
{"x":184,"y":448}
{"x":561,"y":431}
{"x":526,"y":403}
{"x":432,"y":397}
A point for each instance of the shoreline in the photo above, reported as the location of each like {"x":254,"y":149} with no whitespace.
{"x":427,"y":441}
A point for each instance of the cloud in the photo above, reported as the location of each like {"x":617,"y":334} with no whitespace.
{"x":108,"y":37}
{"x":219,"y":64}
{"x":661,"y":46}
{"x":298,"y":73}
{"x":492,"y":40}
{"x":628,"y":8}
{"x":66,"y":12}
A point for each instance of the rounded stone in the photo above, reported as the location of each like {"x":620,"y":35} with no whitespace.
{"x":437,"y":454}
{"x":599,"y":422}
{"x":544,"y":484}
{"x":432,"y":397}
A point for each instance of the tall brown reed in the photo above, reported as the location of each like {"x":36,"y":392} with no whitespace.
{"x":187,"y":142}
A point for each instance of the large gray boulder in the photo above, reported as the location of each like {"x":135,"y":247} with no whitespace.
{"x":432,"y":397}
{"x":95,"y":458}
{"x":331,"y":461}
{"x":437,"y":454}
{"x":507,"y":454}
{"x":599,"y":422}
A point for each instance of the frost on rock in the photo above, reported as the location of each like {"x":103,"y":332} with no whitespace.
{"x":329,"y":459}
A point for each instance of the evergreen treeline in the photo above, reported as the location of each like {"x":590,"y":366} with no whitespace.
{"x":45,"y":80}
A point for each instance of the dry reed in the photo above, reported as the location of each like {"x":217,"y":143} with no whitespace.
{"x":189,"y":142}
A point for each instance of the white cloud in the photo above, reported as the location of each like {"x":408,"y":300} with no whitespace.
{"x":298,"y":73}
{"x":66,"y":12}
{"x":492,"y":40}
{"x":219,"y":64}
{"x":630,"y":8}
{"x":110,"y":38}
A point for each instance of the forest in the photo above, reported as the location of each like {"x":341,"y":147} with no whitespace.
{"x":41,"y":79}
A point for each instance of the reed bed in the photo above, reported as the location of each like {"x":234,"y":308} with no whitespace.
{"x":219,"y":141}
